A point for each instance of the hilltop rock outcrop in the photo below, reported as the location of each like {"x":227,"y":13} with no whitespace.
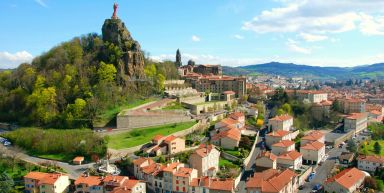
{"x":131,"y":64}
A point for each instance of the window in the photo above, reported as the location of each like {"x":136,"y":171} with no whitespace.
{"x":177,"y":188}
{"x":183,"y":189}
{"x":177,"y":181}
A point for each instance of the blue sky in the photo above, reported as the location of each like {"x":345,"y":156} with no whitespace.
{"x":228,"y":32}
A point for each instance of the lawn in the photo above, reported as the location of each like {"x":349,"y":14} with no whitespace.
{"x":57,"y":157}
{"x":140,"y":136}
{"x":227,"y":164}
{"x":235,"y":153}
{"x":174,"y":106}
{"x":109,"y":114}
{"x":367,"y":147}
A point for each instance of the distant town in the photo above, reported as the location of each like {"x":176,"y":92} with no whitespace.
{"x":122,"y":123}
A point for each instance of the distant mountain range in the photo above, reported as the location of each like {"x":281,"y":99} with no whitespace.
{"x":315,"y":72}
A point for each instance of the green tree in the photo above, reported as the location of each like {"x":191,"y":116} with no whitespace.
{"x":351,"y":146}
{"x":377,"y":147}
{"x":43,"y":104}
{"x":6,"y":183}
{"x":106,"y":72}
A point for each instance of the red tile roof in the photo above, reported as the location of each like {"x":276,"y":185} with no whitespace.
{"x":347,"y":178}
{"x":313,"y":146}
{"x":78,"y":159}
{"x":213,"y":184}
{"x":142,"y":160}
{"x":183,"y":172}
{"x":267,"y":154}
{"x":236,"y":115}
{"x":313,"y":136}
{"x":204,"y":150}
{"x":284,"y":143}
{"x":356,"y":116}
{"x":281,"y":118}
{"x":279,"y":133}
{"x":234,"y":134}
{"x":271,"y":180}
{"x":89,"y":180}
{"x":171,"y":167}
{"x":169,"y":139}
{"x":157,"y":137}
{"x":114,"y":179}
{"x":290,"y":155}
{"x":372,"y":158}
{"x":44,"y":178}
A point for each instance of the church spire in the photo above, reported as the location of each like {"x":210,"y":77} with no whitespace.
{"x":178,"y":58}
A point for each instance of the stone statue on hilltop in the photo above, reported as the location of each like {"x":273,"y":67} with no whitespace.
{"x":115,"y":6}
{"x":178,"y":58}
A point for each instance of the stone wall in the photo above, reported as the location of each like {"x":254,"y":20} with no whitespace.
{"x":133,"y":119}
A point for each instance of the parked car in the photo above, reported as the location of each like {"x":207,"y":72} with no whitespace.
{"x":7,"y":143}
{"x":311,"y":176}
{"x":317,"y":188}
{"x":301,"y":187}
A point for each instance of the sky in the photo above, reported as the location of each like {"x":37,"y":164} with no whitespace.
{"x":229,"y":32}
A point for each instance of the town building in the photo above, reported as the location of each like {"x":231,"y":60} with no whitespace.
{"x":291,"y":159}
{"x":273,"y":181}
{"x":309,"y":96}
{"x":321,"y":111}
{"x":46,"y":182}
{"x":346,"y":159}
{"x":236,"y":120}
{"x":313,"y":152}
{"x":282,"y":122}
{"x":227,"y":139}
{"x":212,"y":185}
{"x":266,"y":160}
{"x":352,"y":105}
{"x":312,"y":137}
{"x":182,"y":179}
{"x":349,"y":180}
{"x":217,"y":83}
{"x":356,"y":122}
{"x":140,"y":163}
{"x":370,"y":163}
{"x":166,"y":145}
{"x":276,"y":136}
{"x":204,"y":69}
{"x":205,"y":160}
{"x":111,"y":184}
{"x":283,"y":146}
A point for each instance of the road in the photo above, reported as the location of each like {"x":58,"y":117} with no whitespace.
{"x":323,"y":171}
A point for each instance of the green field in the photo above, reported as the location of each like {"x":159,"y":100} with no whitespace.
{"x":369,"y":149}
{"x":140,"y":136}
{"x":228,"y":164}
{"x":174,"y":106}
{"x":57,"y":157}
{"x":108,"y":115}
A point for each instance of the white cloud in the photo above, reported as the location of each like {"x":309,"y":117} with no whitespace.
{"x":312,"y":37}
{"x":9,"y":60}
{"x":196,"y":38}
{"x":239,"y":37}
{"x":320,"y":17}
{"x":294,"y":46}
{"x":41,"y":3}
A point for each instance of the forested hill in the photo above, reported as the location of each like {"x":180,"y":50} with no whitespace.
{"x":71,"y":84}
{"x":290,"y":70}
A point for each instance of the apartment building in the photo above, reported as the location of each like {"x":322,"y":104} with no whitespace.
{"x":347,"y":181}
{"x":313,"y":152}
{"x":266,"y":159}
{"x":217,"y":83}
{"x":352,"y":105}
{"x":291,"y":159}
{"x":356,"y":122}
{"x":370,"y":163}
{"x":312,"y":137}
{"x":37,"y":182}
{"x":283,"y":146}
{"x":273,"y":181}
{"x":212,"y":185}
{"x":166,"y":145}
{"x":282,"y":122}
{"x":108,"y":184}
{"x":276,"y":136}
{"x":205,"y":160}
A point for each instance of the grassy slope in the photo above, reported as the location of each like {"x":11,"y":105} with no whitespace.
{"x":143,"y":135}
{"x":371,"y":149}
{"x":104,"y":118}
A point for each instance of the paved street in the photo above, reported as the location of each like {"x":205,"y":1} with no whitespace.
{"x":324,"y":170}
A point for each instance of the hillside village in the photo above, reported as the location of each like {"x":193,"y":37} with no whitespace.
{"x":210,"y":132}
